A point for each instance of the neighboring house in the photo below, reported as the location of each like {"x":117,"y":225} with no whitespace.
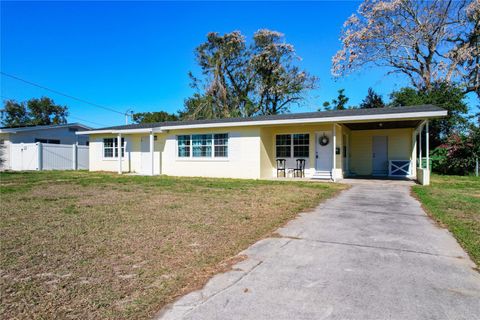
{"x":53,"y":134}
{"x":334,"y":144}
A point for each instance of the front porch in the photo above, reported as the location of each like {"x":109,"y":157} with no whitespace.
{"x":387,"y":150}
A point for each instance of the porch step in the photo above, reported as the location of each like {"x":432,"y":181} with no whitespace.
{"x":323,"y":175}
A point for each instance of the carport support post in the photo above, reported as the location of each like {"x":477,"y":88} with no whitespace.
{"x":334,"y":146}
{"x":119,"y":150}
{"x":427,"y":147}
{"x":152,"y":138}
{"x":420,"y":163}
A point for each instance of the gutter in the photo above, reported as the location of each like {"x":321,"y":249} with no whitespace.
{"x":121,"y":131}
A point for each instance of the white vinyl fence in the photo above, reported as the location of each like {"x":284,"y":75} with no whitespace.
{"x":43,"y":156}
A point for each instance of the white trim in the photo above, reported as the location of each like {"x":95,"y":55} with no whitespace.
{"x":119,"y":150}
{"x":391,"y":116}
{"x":410,"y":115}
{"x":113,"y":158}
{"x":148,"y":130}
{"x":33,"y":128}
{"x":427,"y":146}
{"x":334,"y":144}
{"x":292,"y":155}
{"x":212,"y":156}
{"x":151,"y":143}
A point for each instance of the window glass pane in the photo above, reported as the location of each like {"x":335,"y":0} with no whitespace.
{"x":202,"y":145}
{"x":202,"y":139}
{"x":283,"y":145}
{"x":300,"y":145}
{"x":221,"y":144}
{"x":110,"y":149}
{"x":108,"y":143}
{"x":283,"y":151}
{"x":108,"y":152}
{"x":183,"y":140}
{"x":183,"y":152}
{"x":183,"y":146}
{"x":301,"y":139}
{"x":221,"y":139}
{"x":202,"y":151}
{"x":300,"y":151}
{"x":284,"y":140}
{"x":221,"y":151}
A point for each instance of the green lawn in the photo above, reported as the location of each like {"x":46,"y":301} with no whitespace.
{"x":455,"y":202}
{"x":98,"y":245}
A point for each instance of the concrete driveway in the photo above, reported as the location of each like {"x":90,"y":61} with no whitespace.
{"x":370,"y":253}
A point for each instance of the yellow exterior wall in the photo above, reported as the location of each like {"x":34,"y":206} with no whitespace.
{"x":243,"y":160}
{"x":339,"y":144}
{"x":268,"y":154}
{"x":399,"y":147}
{"x":251,"y":151}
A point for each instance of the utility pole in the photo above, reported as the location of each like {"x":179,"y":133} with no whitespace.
{"x":128,"y":113}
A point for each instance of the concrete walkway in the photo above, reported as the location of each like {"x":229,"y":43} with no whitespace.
{"x":370,"y":253}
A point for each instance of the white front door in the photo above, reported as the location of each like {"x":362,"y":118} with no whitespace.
{"x":323,"y":153}
{"x":379,"y":155}
{"x":146,"y":160}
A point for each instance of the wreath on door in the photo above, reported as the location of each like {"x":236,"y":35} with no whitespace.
{"x":323,"y":140}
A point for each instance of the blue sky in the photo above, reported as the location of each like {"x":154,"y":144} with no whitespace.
{"x":137,"y":55}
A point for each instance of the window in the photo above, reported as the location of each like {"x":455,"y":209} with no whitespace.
{"x":220,"y":142}
{"x":284,"y":145}
{"x":110,"y":149}
{"x":53,"y":141}
{"x":202,"y":145}
{"x":301,"y":145}
{"x":183,"y":146}
{"x":296,"y":144}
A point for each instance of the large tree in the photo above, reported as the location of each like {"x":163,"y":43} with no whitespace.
{"x":372,"y":100}
{"x":339,"y":103}
{"x":429,"y":41}
{"x":15,"y":114}
{"x":150,"y":117}
{"x":224,"y":86}
{"x":445,"y":95}
{"x":41,"y":111}
{"x":278,"y":81}
{"x":241,"y":80}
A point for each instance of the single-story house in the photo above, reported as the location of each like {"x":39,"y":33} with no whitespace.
{"x":334,"y":144}
{"x":53,"y":134}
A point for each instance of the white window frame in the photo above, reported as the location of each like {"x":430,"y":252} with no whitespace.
{"x":212,"y":156}
{"x":292,"y":154}
{"x":115,"y":140}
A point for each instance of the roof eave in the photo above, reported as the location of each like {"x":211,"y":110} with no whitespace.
{"x":339,"y":119}
{"x":120,"y":131}
{"x":342,"y":119}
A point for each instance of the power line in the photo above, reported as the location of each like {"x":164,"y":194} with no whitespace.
{"x":84,"y":120}
{"x":69,"y":115}
{"x":61,"y":93}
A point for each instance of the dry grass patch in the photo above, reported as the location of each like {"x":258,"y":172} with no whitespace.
{"x":96,"y":245}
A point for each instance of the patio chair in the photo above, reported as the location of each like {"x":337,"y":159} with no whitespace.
{"x":281,"y":167}
{"x":299,"y":171}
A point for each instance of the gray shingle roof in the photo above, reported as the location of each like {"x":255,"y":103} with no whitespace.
{"x":287,"y":116}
